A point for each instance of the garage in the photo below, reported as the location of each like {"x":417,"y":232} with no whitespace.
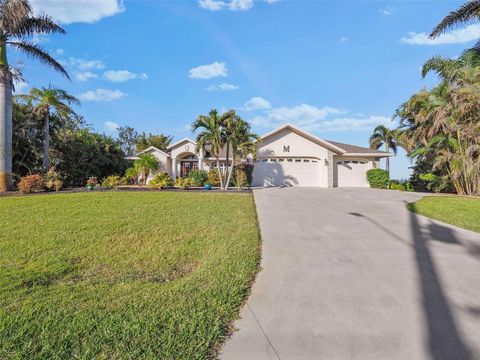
{"x":352,"y":173}
{"x":287,"y":172}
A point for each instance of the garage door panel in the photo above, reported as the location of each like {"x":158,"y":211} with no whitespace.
{"x":297,"y":172}
{"x":352,"y":173}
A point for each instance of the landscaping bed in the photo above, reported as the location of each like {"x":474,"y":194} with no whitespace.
{"x":456,"y":210}
{"x":124,"y":274}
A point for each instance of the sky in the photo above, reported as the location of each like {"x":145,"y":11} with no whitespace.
{"x":333,"y":68}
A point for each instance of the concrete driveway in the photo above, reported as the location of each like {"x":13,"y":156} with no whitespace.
{"x":351,"y":274}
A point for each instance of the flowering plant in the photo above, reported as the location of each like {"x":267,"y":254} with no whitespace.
{"x":92,"y":181}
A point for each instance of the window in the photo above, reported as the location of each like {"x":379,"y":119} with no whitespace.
{"x":306,"y":160}
{"x":273,"y":160}
{"x":264,"y":160}
{"x":281,"y":160}
{"x":290,"y":160}
{"x":339,"y":162}
{"x":354,"y":162}
{"x":298,"y":160}
{"x":314,"y":161}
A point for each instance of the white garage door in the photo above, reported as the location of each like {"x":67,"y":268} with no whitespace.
{"x":287,"y":172}
{"x":352,"y":173}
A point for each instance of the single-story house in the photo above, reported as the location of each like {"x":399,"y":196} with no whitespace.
{"x":287,"y":156}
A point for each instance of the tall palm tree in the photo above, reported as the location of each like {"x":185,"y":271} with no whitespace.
{"x":212,"y":137}
{"x":468,"y":12}
{"x":47,"y":101}
{"x":383,"y":136}
{"x":17,"y":24}
{"x":241,"y":139}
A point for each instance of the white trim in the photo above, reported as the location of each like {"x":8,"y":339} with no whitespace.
{"x":180,"y":142}
{"x":306,"y":135}
{"x":382,"y":154}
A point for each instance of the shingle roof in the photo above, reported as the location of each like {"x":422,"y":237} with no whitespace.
{"x":355,"y":149}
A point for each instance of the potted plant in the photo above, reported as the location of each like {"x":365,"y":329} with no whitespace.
{"x":207,"y":186}
{"x":91,"y":182}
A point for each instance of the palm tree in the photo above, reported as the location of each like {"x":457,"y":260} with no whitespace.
{"x":468,"y":12}
{"x":17,"y":24}
{"x":212,"y":137}
{"x":50,"y":101}
{"x":146,"y":164}
{"x":241,"y":139}
{"x":383,"y":136}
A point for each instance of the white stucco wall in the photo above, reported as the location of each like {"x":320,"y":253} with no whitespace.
{"x":288,"y":144}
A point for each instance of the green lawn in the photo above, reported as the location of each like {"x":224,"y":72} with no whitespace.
{"x":123,"y":275}
{"x":455,"y":210}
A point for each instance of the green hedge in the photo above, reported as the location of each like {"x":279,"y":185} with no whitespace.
{"x":378,"y":178}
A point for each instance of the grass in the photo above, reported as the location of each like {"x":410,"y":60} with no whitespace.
{"x":460,"y":211}
{"x":123,"y":275}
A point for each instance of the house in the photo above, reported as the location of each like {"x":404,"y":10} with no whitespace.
{"x":287,"y":156}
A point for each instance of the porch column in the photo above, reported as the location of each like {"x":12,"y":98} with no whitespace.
{"x":174,"y":168}
{"x":200,"y":159}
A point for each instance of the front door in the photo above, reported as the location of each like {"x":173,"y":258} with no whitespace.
{"x":188,"y":166}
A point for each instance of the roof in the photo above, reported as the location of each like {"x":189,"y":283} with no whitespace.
{"x":353,"y":149}
{"x":327,"y":144}
{"x":150,"y":148}
{"x":180,"y":142}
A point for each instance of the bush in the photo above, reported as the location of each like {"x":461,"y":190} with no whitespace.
{"x":183,"y":183}
{"x":131,"y":174}
{"x":378,"y":178}
{"x":111,"y":182}
{"x":397,"y":186}
{"x":161,"y":181}
{"x":53,"y":181}
{"x":198,"y":177}
{"x":243,"y":175}
{"x":213,"y":178}
{"x":31,"y":183}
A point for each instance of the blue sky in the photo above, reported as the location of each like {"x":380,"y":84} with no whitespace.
{"x":335,"y":68}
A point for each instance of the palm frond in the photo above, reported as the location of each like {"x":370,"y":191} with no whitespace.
{"x":41,"y":24}
{"x":465,"y":13}
{"x":38,"y":53}
{"x":13,"y":14}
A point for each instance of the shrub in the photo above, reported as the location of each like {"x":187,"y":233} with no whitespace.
{"x":243,"y":175}
{"x":111,"y":182}
{"x":161,"y":181}
{"x":397,"y":186}
{"x":131,"y":174}
{"x":378,"y":178}
{"x":31,"y":183}
{"x":53,"y":180}
{"x":434,"y":182}
{"x":213,"y":178}
{"x":198,"y":177}
{"x":183,"y":183}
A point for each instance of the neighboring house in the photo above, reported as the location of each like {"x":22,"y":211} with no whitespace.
{"x":287,"y":156}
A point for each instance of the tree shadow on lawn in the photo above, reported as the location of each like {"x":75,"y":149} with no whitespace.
{"x":444,"y":339}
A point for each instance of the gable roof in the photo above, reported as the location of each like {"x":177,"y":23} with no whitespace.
{"x":353,"y":149}
{"x":308,"y":136}
{"x":150,"y":148}
{"x":180,"y":142}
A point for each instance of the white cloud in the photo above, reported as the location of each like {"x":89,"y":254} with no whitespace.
{"x":101,"y":95}
{"x":83,"y":64}
{"x":313,"y":118}
{"x":234,"y":5}
{"x":257,"y":103}
{"x":87,"y":11}
{"x":40,"y":39}
{"x":85,"y":75}
{"x":387,"y":10}
{"x":459,"y":36}
{"x":222,"y":87}
{"x":122,"y":75}
{"x":20,"y":87}
{"x":209,"y":71}
{"x":110,"y":126}
{"x":59,"y":52}
{"x":343,"y":39}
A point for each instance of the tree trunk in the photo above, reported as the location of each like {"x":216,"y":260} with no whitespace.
{"x":231,"y":170}
{"x":387,"y":159}
{"x":219,"y":172}
{"x":227,"y":171}
{"x":6,"y":129}
{"x":46,"y":142}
